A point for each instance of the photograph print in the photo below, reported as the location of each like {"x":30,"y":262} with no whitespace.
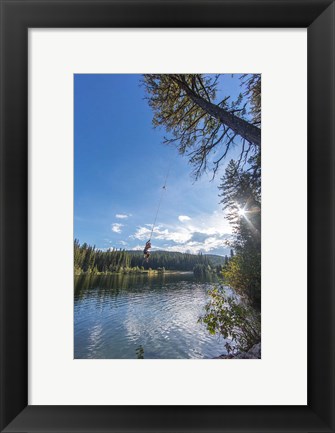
{"x":167,"y":216}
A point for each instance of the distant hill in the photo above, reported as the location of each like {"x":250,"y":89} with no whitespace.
{"x":215,"y":259}
{"x":213,"y":256}
{"x":174,"y":259}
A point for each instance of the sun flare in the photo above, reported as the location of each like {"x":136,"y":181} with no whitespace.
{"x":241,"y":212}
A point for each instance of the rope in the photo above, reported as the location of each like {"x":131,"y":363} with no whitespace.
{"x":160,"y":200}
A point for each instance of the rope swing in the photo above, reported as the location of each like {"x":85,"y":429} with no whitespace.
{"x":148,"y":244}
{"x":160,"y":202}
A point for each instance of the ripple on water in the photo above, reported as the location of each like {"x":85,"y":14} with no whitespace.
{"x":113,"y":320}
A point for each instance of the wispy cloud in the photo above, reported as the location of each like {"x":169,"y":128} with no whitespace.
{"x":116,"y":227}
{"x":210,"y":244}
{"x":184,"y":218}
{"x":204,"y":233}
{"x":122,"y":215}
{"x":179,"y":236}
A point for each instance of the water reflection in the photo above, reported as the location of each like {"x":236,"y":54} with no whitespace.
{"x":142,"y":316}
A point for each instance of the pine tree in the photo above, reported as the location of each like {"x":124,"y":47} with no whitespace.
{"x":199,"y":123}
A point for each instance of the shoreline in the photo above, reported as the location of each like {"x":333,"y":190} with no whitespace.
{"x":255,"y":352}
{"x":146,"y":271}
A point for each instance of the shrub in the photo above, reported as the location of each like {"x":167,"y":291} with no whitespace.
{"x":233,"y":319}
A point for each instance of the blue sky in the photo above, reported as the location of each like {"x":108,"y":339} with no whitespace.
{"x":120,"y":167}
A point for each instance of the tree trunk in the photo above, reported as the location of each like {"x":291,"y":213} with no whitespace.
{"x":239,"y":126}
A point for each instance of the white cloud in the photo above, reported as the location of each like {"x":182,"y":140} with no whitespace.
{"x":116,"y":227}
{"x":204,"y":233}
{"x":122,"y":216}
{"x":207,"y":246}
{"x":179,"y":236}
{"x":123,"y":243}
{"x":138,"y":248}
{"x":184,"y":218}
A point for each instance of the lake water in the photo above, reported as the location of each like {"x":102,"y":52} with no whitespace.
{"x":149,"y":316}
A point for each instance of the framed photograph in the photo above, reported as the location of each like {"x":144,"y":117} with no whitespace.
{"x":167,"y":216}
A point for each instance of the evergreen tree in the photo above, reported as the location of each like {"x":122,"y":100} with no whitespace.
{"x":200,"y":124}
{"x":241,"y":198}
{"x":88,"y":259}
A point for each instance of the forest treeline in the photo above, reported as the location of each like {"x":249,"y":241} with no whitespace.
{"x":88,"y":259}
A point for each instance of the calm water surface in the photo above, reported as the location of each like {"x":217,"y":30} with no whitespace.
{"x":127,"y":316}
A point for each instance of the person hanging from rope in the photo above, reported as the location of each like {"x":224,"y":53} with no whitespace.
{"x":146,"y":252}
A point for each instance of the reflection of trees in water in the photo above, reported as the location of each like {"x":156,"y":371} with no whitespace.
{"x":111,"y":286}
{"x":209,"y":277}
{"x":140,"y":317}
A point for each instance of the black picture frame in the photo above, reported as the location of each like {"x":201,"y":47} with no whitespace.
{"x":17,"y":16}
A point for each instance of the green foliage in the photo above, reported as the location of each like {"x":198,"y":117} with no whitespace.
{"x":241,"y":198}
{"x":172,"y":260}
{"x":202,"y":270}
{"x":88,"y":259}
{"x":232,"y":319}
{"x":171,"y":106}
{"x":252,"y":86}
{"x":240,"y":321}
{"x":243,"y":274}
{"x":199,"y":122}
